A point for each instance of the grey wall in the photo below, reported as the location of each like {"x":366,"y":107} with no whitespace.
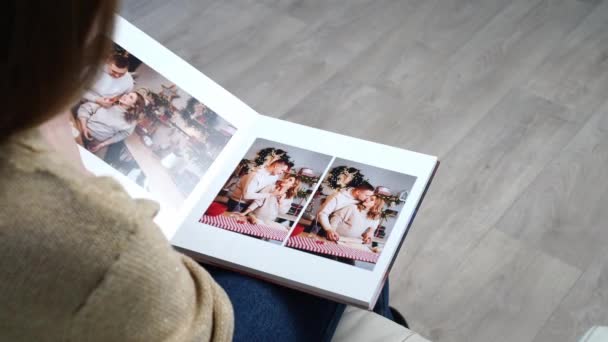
{"x":301,"y":157}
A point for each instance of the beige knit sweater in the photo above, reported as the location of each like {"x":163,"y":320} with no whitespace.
{"x":81,"y":261}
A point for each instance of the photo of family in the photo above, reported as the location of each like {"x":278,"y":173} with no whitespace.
{"x":267,"y":191}
{"x":352,"y":214}
{"x":147,"y":128}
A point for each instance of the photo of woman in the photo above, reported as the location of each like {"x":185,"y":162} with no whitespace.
{"x":267,"y":210}
{"x":267,"y":191}
{"x":352,"y":214}
{"x":356,"y":223}
{"x":103,"y":126}
{"x":148,"y":129}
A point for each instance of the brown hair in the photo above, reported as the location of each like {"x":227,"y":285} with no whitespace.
{"x":293,"y":191}
{"x":120,"y":61}
{"x":133,"y":113}
{"x":376,"y":210}
{"x":364,"y":186}
{"x":53,"y":49}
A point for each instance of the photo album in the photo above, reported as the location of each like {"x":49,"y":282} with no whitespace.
{"x":301,"y":207}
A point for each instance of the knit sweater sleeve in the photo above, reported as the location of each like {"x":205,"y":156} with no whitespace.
{"x":327,"y":208}
{"x":151,"y":292}
{"x":249,"y":190}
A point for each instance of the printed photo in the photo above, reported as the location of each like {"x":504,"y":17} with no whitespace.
{"x":147,"y":128}
{"x":352,"y":214}
{"x":267,"y":191}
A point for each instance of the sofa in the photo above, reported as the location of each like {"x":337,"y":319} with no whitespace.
{"x":361,"y":325}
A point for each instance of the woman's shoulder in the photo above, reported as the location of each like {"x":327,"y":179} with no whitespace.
{"x":38,"y":182}
{"x":53,"y":218}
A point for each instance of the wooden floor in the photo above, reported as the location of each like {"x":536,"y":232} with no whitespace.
{"x":511,"y":243}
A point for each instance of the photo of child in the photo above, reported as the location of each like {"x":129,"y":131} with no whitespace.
{"x":147,"y":128}
{"x":267,"y":190}
{"x":352,"y":214}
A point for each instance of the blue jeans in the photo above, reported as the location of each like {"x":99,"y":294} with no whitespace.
{"x":267,"y":312}
{"x":235,"y":206}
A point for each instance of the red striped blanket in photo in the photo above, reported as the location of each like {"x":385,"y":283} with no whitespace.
{"x":331,"y":248}
{"x":258,"y":230}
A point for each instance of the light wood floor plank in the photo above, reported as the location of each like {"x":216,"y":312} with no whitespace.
{"x":503,"y":292}
{"x":485,"y":173}
{"x":584,"y":307}
{"x":509,"y":244}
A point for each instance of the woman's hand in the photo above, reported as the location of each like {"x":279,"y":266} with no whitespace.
{"x":252,"y":219}
{"x":367,"y":238}
{"x":84,"y":129}
{"x":97,"y":147}
{"x":85,"y":132}
{"x":276,"y":193}
{"x":240,"y":218}
{"x":105,"y":102}
{"x":332,"y":235}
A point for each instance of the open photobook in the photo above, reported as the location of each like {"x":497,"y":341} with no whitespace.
{"x":305,"y":208}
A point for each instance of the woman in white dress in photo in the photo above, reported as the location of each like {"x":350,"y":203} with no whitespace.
{"x":356,"y":223}
{"x":267,"y":210}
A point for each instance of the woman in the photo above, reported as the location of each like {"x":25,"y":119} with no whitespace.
{"x":358,"y":220}
{"x":106,"y":126}
{"x":267,"y":210}
{"x":80,"y":260}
